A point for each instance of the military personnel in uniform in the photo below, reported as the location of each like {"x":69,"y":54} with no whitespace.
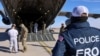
{"x":43,"y":27}
{"x":31,"y":27}
{"x":80,"y":39}
{"x":24,"y":33}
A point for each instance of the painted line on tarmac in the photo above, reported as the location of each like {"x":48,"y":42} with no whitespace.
{"x":46,"y":47}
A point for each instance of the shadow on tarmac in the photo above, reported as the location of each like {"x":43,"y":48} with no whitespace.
{"x":4,"y":36}
{"x":4,"y":49}
{"x":39,"y":45}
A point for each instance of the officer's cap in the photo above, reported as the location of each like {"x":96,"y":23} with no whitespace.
{"x":79,"y":10}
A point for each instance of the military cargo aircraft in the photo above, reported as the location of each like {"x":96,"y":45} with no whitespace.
{"x":27,"y":11}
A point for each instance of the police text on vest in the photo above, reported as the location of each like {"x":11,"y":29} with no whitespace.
{"x":88,"y":52}
{"x":84,"y":40}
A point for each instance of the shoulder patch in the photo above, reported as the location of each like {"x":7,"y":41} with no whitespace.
{"x":60,"y":38}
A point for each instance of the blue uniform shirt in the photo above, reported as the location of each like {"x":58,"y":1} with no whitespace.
{"x":79,"y":40}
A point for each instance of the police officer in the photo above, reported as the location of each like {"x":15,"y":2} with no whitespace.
{"x":80,"y":39}
{"x":13,"y":38}
{"x":24,"y":33}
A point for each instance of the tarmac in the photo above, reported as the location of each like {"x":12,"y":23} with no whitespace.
{"x":38,"y":48}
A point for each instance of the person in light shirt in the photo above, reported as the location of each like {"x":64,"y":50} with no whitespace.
{"x":13,"y":33}
{"x":35,"y":27}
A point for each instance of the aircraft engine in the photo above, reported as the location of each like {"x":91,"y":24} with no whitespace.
{"x":5,"y":19}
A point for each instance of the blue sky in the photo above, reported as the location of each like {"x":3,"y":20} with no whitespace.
{"x":92,"y":5}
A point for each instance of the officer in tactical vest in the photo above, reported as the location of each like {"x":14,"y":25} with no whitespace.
{"x":24,"y":33}
{"x":80,"y":39}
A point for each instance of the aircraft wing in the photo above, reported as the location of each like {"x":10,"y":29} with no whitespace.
{"x":68,"y":14}
{"x":94,"y":15}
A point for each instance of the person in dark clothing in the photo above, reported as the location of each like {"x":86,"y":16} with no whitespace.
{"x":62,"y":28}
{"x":80,"y":39}
{"x":67,"y":22}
